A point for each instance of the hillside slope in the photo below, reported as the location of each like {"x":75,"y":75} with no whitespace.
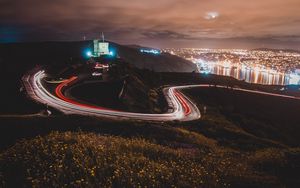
{"x":58,"y":53}
{"x":158,"y":63}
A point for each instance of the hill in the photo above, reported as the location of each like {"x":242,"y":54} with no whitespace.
{"x":27,"y":55}
{"x":242,"y":140}
{"x":158,"y":63}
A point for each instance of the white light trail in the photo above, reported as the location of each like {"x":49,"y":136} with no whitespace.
{"x":176,"y":100}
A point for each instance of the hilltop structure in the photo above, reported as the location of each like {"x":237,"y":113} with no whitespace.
{"x":101,"y":47}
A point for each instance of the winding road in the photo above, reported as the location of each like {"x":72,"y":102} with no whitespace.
{"x":181,"y":107}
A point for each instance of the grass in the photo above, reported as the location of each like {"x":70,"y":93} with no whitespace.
{"x":282,"y":163}
{"x":87,"y":159}
{"x":82,"y":159}
{"x":270,"y":120}
{"x":227,"y":147}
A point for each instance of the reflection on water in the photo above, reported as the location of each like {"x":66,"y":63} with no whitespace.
{"x":258,"y":75}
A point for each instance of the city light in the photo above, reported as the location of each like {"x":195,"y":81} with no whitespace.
{"x":150,"y":51}
{"x":255,"y":66}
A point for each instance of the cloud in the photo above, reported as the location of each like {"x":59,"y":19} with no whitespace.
{"x":165,"y":34}
{"x":140,"y":20}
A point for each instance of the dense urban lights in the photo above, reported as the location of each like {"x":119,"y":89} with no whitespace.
{"x":255,"y":66}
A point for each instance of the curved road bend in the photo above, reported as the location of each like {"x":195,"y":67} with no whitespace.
{"x":181,"y":107}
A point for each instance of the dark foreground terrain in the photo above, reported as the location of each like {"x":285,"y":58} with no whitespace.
{"x":242,"y":140}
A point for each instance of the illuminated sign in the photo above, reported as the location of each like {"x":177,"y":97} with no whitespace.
{"x":103,"y":48}
{"x":100,"y":48}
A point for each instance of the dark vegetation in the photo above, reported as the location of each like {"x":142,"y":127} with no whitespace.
{"x":243,"y":140}
{"x":158,"y":63}
{"x":264,"y":117}
{"x":16,"y":59}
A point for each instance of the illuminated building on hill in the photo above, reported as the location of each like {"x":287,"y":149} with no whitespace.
{"x":101,"y":47}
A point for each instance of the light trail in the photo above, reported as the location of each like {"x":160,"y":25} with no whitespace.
{"x":183,"y":109}
{"x":187,"y":109}
{"x":58,"y":92}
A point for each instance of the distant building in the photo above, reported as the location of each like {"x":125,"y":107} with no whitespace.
{"x":101,"y":47}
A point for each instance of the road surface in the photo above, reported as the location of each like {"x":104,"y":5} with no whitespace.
{"x":181,"y":107}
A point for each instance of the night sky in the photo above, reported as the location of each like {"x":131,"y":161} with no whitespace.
{"x":157,"y":23}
